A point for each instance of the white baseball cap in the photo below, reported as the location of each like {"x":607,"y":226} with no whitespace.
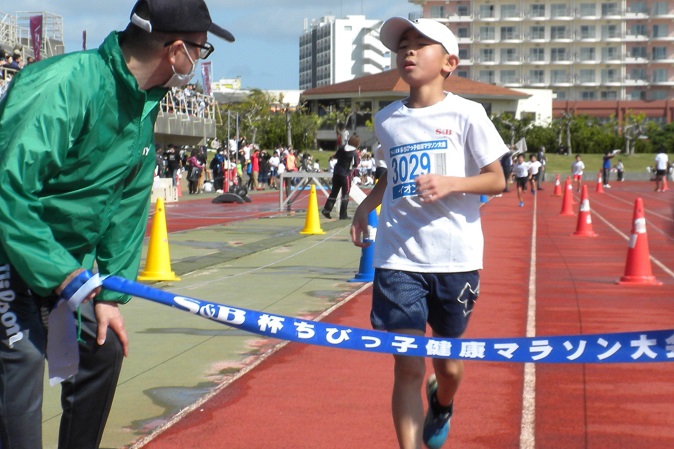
{"x":393,"y":29}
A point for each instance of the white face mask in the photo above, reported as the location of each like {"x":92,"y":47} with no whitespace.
{"x":180,"y":80}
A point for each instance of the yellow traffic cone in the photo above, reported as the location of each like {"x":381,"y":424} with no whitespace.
{"x":158,"y":260}
{"x":312,"y":225}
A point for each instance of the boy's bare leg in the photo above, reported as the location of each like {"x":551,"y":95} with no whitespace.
{"x":449,"y":373}
{"x":406,"y":402}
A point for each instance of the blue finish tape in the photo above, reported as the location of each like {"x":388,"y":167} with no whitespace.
{"x":75,"y":284}
{"x":79,"y":288}
{"x":631,"y":347}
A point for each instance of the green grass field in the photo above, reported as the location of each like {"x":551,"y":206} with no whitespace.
{"x":593,"y":163}
{"x":557,"y":163}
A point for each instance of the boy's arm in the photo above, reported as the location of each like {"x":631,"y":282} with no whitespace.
{"x":490,"y":181}
{"x":359,"y":225}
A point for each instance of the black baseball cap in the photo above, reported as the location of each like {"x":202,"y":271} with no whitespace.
{"x":176,"y":16}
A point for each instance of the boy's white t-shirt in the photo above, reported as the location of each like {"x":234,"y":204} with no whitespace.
{"x":661,"y":160}
{"x":454,"y":137}
{"x":521,"y":170}
{"x":577,"y":168}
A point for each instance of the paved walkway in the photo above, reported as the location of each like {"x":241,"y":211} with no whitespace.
{"x":261,"y":263}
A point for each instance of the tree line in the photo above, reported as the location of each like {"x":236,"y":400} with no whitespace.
{"x":268,"y":122}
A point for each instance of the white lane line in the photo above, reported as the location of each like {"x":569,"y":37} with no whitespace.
{"x":650,"y":210}
{"x":527,"y":429}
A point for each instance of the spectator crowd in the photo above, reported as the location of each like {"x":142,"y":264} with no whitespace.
{"x":247,"y":166}
{"x":10,"y":63}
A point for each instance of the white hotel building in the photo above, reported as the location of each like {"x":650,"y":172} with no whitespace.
{"x":335,"y":50}
{"x":581,"y":49}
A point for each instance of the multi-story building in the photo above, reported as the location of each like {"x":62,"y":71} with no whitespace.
{"x":335,"y":50}
{"x":581,"y":49}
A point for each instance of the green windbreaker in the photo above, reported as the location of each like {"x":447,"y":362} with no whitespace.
{"x":76,"y":167}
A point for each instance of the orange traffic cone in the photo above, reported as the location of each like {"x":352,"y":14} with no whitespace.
{"x":600,"y":184}
{"x":558,"y":187}
{"x":312,"y":224}
{"x":158,"y":260}
{"x":664,"y":184}
{"x":567,"y":200}
{"x":584,"y":226}
{"x":638,"y":265}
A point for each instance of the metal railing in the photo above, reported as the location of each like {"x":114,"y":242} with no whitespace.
{"x":5,"y":78}
{"x":188,"y":103}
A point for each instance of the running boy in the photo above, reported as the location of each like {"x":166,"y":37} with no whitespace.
{"x":442,"y":152}
{"x":522,"y":176}
{"x":536,"y":168}
{"x":577,"y":171}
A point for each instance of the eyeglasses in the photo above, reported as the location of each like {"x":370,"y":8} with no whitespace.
{"x":204,"y":50}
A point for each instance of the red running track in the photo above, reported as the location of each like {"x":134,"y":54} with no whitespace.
{"x":313,"y":397}
{"x":185,"y":215}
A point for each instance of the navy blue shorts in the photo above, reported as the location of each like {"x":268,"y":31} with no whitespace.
{"x":522,"y":182}
{"x":409,"y":300}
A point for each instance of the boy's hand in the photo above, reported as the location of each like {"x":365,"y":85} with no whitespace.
{"x":359,"y":228}
{"x":432,"y":187}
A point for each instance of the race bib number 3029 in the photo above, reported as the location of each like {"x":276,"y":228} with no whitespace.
{"x":412,"y":160}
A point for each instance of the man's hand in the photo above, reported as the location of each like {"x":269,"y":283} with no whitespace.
{"x":58,"y":290}
{"x":108,"y":315}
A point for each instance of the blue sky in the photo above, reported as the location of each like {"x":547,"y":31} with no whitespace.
{"x":265,"y":54}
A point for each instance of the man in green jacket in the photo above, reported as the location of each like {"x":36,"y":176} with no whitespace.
{"x":77,"y":159}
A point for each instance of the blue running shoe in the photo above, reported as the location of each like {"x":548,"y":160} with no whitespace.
{"x":436,"y":427}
